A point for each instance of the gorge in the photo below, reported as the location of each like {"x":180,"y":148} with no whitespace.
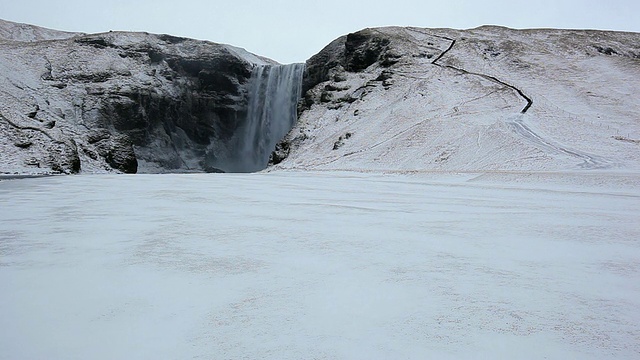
{"x":273,"y":96}
{"x":385,"y":99}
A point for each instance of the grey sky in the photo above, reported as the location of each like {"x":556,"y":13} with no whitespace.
{"x":293,"y":30}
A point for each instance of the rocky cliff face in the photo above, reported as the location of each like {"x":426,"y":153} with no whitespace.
{"x":492,"y":98}
{"x":129,"y":102}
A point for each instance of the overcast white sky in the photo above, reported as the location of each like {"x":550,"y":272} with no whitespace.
{"x":293,"y":30}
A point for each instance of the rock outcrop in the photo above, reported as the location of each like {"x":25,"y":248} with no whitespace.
{"x":129,"y":102}
{"x":491,"y":98}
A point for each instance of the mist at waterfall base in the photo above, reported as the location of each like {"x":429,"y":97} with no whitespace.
{"x":272,"y":111}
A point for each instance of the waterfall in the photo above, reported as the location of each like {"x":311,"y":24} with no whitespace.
{"x":274,"y":91}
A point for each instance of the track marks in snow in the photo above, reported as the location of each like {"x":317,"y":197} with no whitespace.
{"x":589,"y":161}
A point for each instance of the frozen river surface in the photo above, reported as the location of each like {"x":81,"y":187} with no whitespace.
{"x":317,"y":266}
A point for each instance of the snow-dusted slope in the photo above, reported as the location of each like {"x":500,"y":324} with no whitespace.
{"x":10,"y":31}
{"x":491,"y":98}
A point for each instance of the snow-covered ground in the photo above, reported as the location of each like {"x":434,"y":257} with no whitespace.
{"x":322,"y":265}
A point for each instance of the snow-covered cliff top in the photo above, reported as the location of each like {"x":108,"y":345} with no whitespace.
{"x":12,"y":31}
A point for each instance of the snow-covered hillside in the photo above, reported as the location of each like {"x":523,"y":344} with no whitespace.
{"x":386,"y":99}
{"x":491,"y":98}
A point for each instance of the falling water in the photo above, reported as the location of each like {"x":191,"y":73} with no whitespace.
{"x":272,"y":111}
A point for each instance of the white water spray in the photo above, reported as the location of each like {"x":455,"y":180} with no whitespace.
{"x":272,"y":111}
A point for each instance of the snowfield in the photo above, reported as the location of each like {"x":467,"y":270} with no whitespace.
{"x":321,"y":265}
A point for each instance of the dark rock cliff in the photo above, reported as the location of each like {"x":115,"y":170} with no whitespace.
{"x":125,"y":101}
{"x":350,"y":53}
